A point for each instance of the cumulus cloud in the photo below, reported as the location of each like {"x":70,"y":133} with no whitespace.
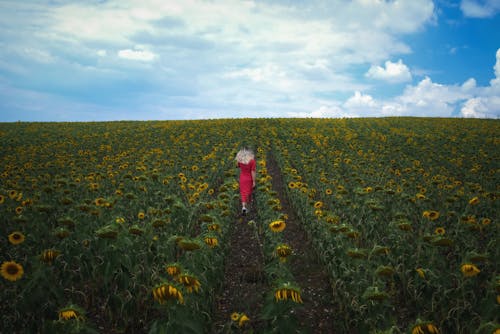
{"x":486,"y":103}
{"x":393,"y":72}
{"x":138,"y":53}
{"x":480,"y":9}
{"x":359,"y":101}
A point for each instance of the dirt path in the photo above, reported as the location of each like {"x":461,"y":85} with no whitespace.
{"x":244,"y":282}
{"x":310,"y":275}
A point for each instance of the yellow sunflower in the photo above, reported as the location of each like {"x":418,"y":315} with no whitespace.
{"x":474,"y":201}
{"x":11,"y":270}
{"x":431,"y":214}
{"x":277,"y":225}
{"x":16,"y":238}
{"x":2,"y":199}
{"x":469,"y":270}
{"x":440,"y":231}
{"x":71,"y":312}
{"x":165,"y":292}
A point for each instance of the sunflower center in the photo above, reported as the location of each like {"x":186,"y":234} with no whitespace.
{"x":12,"y":269}
{"x":16,"y":236}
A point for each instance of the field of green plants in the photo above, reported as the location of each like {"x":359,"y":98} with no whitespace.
{"x":124,"y":227}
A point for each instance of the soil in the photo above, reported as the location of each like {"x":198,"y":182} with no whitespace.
{"x":244,"y":286}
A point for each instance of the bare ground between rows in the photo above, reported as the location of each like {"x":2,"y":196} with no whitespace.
{"x":244,"y":282}
{"x":317,"y":314}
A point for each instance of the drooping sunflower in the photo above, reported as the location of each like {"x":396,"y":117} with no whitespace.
{"x":277,"y":226}
{"x":211,"y":241}
{"x":420,"y":272}
{"x":243,"y":320}
{"x":469,"y":270}
{"x":424,"y":328}
{"x":49,"y":255}
{"x":16,"y":238}
{"x":474,"y":200}
{"x":283,"y":251}
{"x":167,"y":291}
{"x":173,"y":269}
{"x":288,"y":291}
{"x":12,"y":271}
{"x":190,"y":282}
{"x":71,"y":312}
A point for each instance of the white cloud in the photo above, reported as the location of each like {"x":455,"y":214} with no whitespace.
{"x":359,"y":101}
{"x":480,"y":9}
{"x":393,"y":72}
{"x":102,"y":53}
{"x":325,"y":111}
{"x":137,"y":54}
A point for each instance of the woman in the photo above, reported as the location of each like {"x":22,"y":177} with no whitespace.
{"x":246,"y":163}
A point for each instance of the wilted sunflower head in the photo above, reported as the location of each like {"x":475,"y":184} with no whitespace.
{"x":71,"y":312}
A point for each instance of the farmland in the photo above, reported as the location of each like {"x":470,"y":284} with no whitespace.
{"x":132,"y":227}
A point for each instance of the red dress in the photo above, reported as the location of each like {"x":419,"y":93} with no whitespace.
{"x":246,"y":182}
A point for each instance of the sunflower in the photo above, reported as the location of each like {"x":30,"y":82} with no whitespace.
{"x":211,"y":241}
{"x":49,"y":255}
{"x":165,"y":292}
{"x":11,"y":271}
{"x":173,"y":269}
{"x":474,"y":201}
{"x":318,"y":205}
{"x":243,"y":320}
{"x":12,"y":194}
{"x":469,"y":270}
{"x":282,"y":251}
{"x":292,"y":185}
{"x":70,"y":312}
{"x":189,"y":244}
{"x":420,"y":272}
{"x":189,"y":281}
{"x":431,"y":214}
{"x":328,"y":191}
{"x":440,"y":231}
{"x":141,"y":215}
{"x":235,"y":316}
{"x":486,"y":221}
{"x":424,"y":328}
{"x":420,"y":196}
{"x":277,"y":225}
{"x":19,"y":210}
{"x":2,"y":199}
{"x":288,"y":291}
{"x":16,"y":238}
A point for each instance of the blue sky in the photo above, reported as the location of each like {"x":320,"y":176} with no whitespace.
{"x":157,"y":59}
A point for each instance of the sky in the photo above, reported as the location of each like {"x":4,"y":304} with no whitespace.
{"x":99,"y":60}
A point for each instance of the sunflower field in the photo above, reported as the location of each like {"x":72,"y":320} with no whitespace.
{"x":124,"y":227}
